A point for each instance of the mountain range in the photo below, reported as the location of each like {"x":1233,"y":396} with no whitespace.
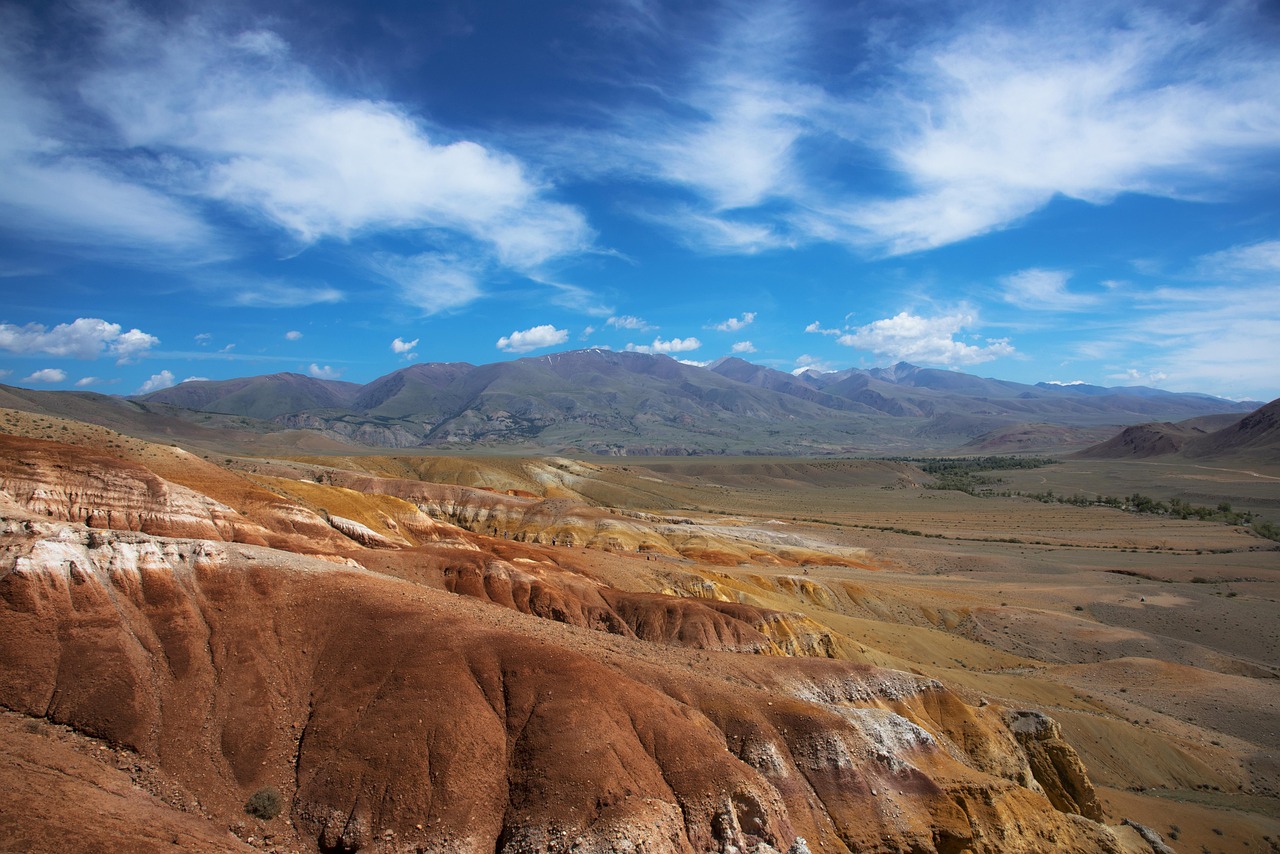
{"x":606,"y":402}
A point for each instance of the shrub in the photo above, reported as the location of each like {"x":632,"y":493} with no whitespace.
{"x":265,"y":803}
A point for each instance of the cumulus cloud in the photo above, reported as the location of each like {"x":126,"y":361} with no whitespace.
{"x":83,"y":338}
{"x":628,"y":321}
{"x":88,"y":381}
{"x":293,"y":335}
{"x":46,"y":375}
{"x":1046,"y":290}
{"x":164,"y":379}
{"x":534,"y":338}
{"x":402,"y":346}
{"x":927,"y":340}
{"x":675,"y":345}
{"x":744,"y":347}
{"x":323,"y":372}
{"x":733,"y":324}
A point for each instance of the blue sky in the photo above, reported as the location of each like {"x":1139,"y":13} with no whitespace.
{"x":1045,"y":191}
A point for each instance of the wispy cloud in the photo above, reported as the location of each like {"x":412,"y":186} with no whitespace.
{"x":434,"y":283}
{"x":274,"y":294}
{"x":1081,"y":101}
{"x":973,"y":121}
{"x":926,"y":340}
{"x":1043,"y":290}
{"x":534,"y":338}
{"x":628,"y":321}
{"x":1214,"y":326}
{"x":293,"y":335}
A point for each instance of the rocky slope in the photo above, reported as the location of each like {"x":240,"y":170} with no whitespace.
{"x":1256,"y":435}
{"x":394,"y":718}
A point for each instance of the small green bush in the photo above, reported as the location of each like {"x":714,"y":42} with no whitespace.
{"x":265,"y":803}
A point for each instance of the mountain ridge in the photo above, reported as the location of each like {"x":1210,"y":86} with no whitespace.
{"x":624,"y":403}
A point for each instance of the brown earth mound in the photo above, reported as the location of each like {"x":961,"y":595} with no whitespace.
{"x":395,"y":718}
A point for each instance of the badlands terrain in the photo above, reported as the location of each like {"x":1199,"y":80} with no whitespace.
{"x":396,"y":651}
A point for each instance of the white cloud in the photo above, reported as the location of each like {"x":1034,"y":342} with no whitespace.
{"x":269,"y":137}
{"x":401,"y":346}
{"x":1043,"y":290}
{"x":46,"y":375}
{"x":164,"y":379}
{"x":88,"y":381}
{"x":204,"y":337}
{"x":928,"y":340}
{"x":433,"y":283}
{"x":293,"y":335}
{"x":628,"y":321}
{"x":545,"y":335}
{"x":1064,"y":101}
{"x":733,"y":324}
{"x":196,"y":380}
{"x":675,"y":345}
{"x":83,"y":338}
{"x":323,"y":372}
{"x":744,"y":347}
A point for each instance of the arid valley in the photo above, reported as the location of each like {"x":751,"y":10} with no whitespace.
{"x":407,"y":651}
